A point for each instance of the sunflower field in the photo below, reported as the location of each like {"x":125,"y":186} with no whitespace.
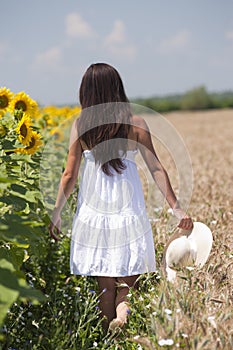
{"x":25,"y":130}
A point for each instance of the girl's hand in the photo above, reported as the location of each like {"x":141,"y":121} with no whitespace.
{"x":186,"y":223}
{"x":55,"y":226}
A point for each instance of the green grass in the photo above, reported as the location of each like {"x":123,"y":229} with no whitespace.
{"x":187,"y":315}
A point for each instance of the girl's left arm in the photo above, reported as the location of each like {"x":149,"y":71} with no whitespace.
{"x":68,"y":179}
{"x":158,"y":172}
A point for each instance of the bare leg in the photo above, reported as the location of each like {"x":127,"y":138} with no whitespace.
{"x":122,"y":304}
{"x":107,"y":299}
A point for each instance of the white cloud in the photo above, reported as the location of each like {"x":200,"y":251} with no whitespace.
{"x":229,"y":35}
{"x":117,"y":35}
{"x":176,"y":43}
{"x":117,"y":44}
{"x":49,"y":57}
{"x":49,"y":60}
{"x":77,"y":27}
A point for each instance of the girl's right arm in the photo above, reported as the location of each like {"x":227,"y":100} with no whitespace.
{"x":68,"y":180}
{"x":157,"y":171}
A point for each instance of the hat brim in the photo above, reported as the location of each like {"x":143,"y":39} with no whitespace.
{"x":188,"y":246}
{"x":201,"y":237}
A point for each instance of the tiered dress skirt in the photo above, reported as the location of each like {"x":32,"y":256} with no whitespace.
{"x":111,"y":232}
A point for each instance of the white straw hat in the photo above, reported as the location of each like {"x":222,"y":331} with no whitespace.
{"x":187,"y":248}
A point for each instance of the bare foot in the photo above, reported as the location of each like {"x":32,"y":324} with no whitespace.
{"x":122,"y":311}
{"x":116,"y":323}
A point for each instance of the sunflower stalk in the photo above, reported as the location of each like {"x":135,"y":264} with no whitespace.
{"x":18,"y":114}
{"x":24,"y":169}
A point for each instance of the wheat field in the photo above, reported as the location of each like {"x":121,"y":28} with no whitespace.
{"x":207,"y":136}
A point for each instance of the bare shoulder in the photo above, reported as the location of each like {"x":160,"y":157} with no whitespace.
{"x":75,"y":123}
{"x":139,"y":125}
{"x":137,"y":120}
{"x":74,"y":132}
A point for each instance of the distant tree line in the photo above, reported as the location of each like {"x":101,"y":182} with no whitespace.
{"x":196,"y":99}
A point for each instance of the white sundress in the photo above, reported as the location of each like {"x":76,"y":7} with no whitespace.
{"x":111,"y":232}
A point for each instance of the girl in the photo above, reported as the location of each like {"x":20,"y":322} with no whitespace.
{"x":111,"y":234}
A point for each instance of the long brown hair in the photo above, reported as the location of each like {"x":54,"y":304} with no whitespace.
{"x":105,"y":116}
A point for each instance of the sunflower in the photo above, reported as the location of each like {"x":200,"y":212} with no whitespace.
{"x":23,"y":102}
{"x":33,"y":146}
{"x":24,"y":131}
{"x":5,"y":98}
{"x":57,"y":134}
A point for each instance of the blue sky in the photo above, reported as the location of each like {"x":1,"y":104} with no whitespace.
{"x":158,"y":46}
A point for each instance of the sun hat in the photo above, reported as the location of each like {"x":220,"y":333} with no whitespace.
{"x":187,"y":248}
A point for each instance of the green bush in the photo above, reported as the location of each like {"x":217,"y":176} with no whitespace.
{"x":196,"y":99}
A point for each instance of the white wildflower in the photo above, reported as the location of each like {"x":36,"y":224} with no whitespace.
{"x":184,"y":335}
{"x":190,"y":268}
{"x":95,"y":344}
{"x":34,"y":323}
{"x":157,"y":209}
{"x":211,"y":320}
{"x":153,"y":220}
{"x":164,"y":342}
{"x":213,"y":222}
{"x":168,"y":311}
